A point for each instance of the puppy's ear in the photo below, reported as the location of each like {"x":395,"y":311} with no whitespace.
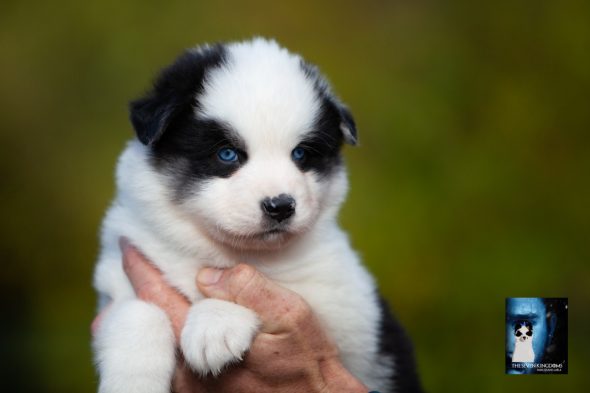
{"x":347,"y":125}
{"x":150,"y":117}
{"x":174,"y":93}
{"x":320,"y":84}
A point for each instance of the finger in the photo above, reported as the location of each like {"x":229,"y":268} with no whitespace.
{"x":186,"y":381}
{"x":278,"y":308}
{"x":149,"y":285}
{"x":98,"y":319}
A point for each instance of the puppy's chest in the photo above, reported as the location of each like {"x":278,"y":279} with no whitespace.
{"x":181,"y":270}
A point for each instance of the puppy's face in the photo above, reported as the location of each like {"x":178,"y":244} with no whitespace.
{"x":247,"y":137}
{"x":523,"y":332}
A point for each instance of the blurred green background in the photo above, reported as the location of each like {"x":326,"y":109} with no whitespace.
{"x":471,"y":183}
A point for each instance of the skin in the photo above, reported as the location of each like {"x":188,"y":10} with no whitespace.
{"x":291,"y":353}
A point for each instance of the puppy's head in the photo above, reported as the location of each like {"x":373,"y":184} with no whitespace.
{"x":247,"y":137}
{"x":523,"y":331}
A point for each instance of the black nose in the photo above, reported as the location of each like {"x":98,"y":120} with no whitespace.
{"x":279,"y":208}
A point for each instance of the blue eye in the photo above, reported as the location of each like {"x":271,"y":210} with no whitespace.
{"x":227,"y":155}
{"x":298,"y":154}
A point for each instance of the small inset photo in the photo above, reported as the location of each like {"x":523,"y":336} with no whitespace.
{"x":536,"y":335}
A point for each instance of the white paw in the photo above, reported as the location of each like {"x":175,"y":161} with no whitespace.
{"x":217,"y":333}
{"x":135,"y":350}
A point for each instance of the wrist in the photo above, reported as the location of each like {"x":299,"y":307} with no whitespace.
{"x":338,"y":379}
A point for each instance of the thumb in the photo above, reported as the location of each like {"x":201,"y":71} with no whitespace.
{"x":244,"y":285}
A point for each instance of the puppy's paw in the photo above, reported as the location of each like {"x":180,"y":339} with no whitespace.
{"x":135,"y":350}
{"x":217,"y":333}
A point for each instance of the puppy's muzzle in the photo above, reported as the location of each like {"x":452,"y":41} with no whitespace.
{"x":278,"y":208}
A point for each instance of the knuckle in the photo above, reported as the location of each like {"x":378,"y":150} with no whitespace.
{"x":243,"y":272}
{"x":299,"y":311}
{"x":242,"y":277}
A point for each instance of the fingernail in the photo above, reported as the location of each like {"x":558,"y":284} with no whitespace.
{"x":209,"y":276}
{"x":123,"y":243}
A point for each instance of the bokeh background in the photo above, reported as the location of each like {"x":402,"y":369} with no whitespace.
{"x":471,"y":183}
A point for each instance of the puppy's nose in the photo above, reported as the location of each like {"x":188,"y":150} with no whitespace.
{"x":279,"y":208}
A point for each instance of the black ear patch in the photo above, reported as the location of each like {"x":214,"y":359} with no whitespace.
{"x":150,"y":117}
{"x":346,"y":122}
{"x":173,"y":93}
{"x":347,"y":125}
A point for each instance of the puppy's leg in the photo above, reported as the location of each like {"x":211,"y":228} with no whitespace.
{"x":217,"y":333}
{"x":135,"y":351}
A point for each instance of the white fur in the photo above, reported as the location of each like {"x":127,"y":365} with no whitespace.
{"x":217,"y":333}
{"x":262,"y":94}
{"x":135,"y":339}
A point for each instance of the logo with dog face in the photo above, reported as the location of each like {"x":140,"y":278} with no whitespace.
{"x":536,"y":335}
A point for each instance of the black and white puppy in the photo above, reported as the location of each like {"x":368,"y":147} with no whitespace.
{"x":237,"y":159}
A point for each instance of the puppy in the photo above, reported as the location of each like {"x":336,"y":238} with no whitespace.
{"x":237,"y":159}
{"x":523,"y":343}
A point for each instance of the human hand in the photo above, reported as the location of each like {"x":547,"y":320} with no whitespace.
{"x":291,"y":353}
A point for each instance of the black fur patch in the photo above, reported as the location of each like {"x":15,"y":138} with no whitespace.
{"x":343,"y":115}
{"x":323,"y":145}
{"x":174,"y":93}
{"x":394,"y":342}
{"x":189,"y":151}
